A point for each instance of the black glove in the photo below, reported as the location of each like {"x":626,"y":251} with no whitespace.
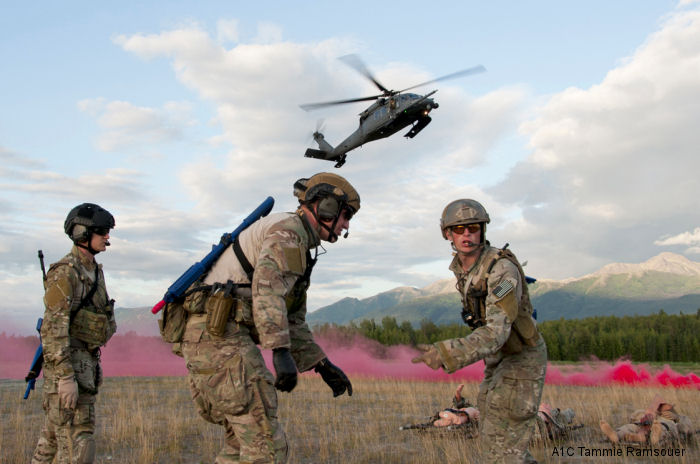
{"x":285,"y":368}
{"x":334,"y":377}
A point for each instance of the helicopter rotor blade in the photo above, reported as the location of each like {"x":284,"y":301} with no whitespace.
{"x":315,"y":106}
{"x":358,"y":65}
{"x":464,"y":72}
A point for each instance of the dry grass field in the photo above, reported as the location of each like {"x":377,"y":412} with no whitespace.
{"x":152,"y":420}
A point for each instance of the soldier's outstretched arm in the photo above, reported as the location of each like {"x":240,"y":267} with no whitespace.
{"x":501,"y":310}
{"x":334,"y":377}
{"x":430,"y":357}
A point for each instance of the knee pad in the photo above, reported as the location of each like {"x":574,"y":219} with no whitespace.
{"x":85,"y":448}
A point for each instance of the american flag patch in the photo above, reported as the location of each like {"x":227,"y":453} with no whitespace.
{"x":502,"y":289}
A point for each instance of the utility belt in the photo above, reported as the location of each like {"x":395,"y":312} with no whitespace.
{"x":222,"y":303}
{"x":75,"y":343}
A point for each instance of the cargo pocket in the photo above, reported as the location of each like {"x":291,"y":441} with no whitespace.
{"x":227,"y":387}
{"x":85,"y":367}
{"x":55,"y":413}
{"x":524,"y":400}
{"x":84,"y":415}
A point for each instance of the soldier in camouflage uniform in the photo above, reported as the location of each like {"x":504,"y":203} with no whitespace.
{"x":78,"y":320}
{"x":552,"y":423}
{"x":267,"y":272}
{"x":497,"y":306}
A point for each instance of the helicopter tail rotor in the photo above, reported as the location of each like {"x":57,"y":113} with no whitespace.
{"x":320,"y":128}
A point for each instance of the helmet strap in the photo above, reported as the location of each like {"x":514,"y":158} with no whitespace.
{"x":89,"y":247}
{"x":332,"y":236}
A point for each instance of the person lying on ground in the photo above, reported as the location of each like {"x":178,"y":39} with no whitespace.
{"x":659,"y":424}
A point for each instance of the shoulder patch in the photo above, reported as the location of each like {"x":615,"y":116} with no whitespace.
{"x":502,"y":289}
{"x":295,"y":262}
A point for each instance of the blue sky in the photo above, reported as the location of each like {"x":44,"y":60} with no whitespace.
{"x":180,"y":117}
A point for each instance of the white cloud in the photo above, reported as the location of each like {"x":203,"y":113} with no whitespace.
{"x":685,"y":238}
{"x":126,"y":125}
{"x":614,"y":166}
{"x":268,"y":33}
{"x":227,"y":30}
{"x":611,"y":168}
{"x":257,"y":89}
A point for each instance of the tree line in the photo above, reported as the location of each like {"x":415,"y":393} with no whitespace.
{"x":657,"y":337}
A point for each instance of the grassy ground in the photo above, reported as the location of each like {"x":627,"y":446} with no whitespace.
{"x":152,"y":420}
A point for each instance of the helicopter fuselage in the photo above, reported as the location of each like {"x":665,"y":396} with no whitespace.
{"x":383,"y":118}
{"x":390,"y":112}
{"x":387,"y":116}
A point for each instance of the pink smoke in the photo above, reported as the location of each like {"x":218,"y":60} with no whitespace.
{"x":362,"y":357}
{"x":133,"y":355}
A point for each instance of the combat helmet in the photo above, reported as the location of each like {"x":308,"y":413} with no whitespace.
{"x":334,"y":191}
{"x":86,"y":219}
{"x":462,"y":212}
{"x":334,"y":194}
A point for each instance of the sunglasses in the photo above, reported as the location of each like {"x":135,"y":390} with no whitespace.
{"x":472,"y":228}
{"x":348,"y":213}
{"x":100,"y":231}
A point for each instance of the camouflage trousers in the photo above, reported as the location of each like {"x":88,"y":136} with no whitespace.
{"x":231,"y":387}
{"x":509,"y":398}
{"x":68,"y":435}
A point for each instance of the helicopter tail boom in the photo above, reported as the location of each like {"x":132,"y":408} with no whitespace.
{"x":320,"y":154}
{"x":325,"y":152}
{"x":322,"y":144}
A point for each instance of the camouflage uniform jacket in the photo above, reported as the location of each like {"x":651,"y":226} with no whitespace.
{"x":277,"y":246}
{"x":503,"y":300}
{"x":67,"y":283}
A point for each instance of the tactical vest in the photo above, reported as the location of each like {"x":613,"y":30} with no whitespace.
{"x":524,"y":330}
{"x":90,"y":317}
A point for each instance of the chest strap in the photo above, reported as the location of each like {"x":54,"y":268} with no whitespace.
{"x":245,"y":264}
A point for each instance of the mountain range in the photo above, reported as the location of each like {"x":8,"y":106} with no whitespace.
{"x":667,"y":281}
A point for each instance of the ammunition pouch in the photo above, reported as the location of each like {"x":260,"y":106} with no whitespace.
{"x":225,"y":303}
{"x":91,"y":326}
{"x":218,"y":308}
{"x":474,"y":305}
{"x":513,"y":344}
{"x":243,"y":313}
{"x":175,"y":314}
{"x":173,"y":322}
{"x":195,"y":298}
{"x":526,"y":329}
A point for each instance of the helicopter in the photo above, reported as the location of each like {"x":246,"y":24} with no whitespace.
{"x":391,"y":111}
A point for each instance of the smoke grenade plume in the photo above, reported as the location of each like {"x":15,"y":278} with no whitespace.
{"x":134,"y":355}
